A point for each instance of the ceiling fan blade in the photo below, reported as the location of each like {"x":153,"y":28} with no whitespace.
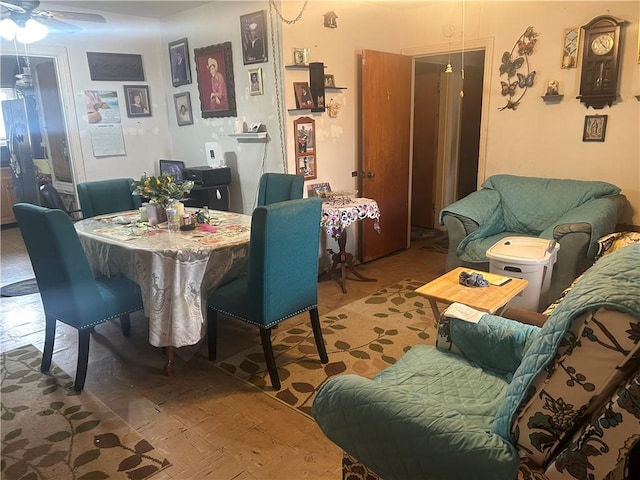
{"x":59,"y":26}
{"x":13,"y":7}
{"x":61,"y":15}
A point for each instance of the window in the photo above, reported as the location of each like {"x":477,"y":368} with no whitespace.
{"x":5,"y":94}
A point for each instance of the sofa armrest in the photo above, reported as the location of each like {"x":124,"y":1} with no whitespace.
{"x":495,"y":342}
{"x":478,"y":207}
{"x":525,"y":316}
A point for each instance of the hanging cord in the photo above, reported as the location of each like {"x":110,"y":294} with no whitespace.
{"x":277,"y":67}
{"x":462,"y":59}
{"x":273,"y":4}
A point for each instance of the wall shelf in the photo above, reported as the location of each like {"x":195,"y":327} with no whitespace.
{"x":335,"y":88}
{"x":249,"y":135}
{"x":299,"y":67}
{"x":301,"y":110}
{"x":552,"y":98}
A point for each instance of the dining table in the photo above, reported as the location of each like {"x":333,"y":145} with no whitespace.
{"x":176,"y":270}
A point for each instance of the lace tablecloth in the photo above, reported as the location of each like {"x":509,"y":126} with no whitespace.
{"x":338,"y":213}
{"x":175,"y":271}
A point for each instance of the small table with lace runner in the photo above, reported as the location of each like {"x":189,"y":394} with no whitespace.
{"x":338,"y":212}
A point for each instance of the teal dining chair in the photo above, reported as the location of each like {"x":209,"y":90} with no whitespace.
{"x":279,"y":187}
{"x":70,"y":293}
{"x":282,"y":278}
{"x":107,"y":196}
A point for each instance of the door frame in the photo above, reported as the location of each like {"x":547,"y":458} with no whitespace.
{"x":65,"y":89}
{"x":488,"y":45}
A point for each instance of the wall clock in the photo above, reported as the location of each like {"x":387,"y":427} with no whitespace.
{"x":600,"y":67}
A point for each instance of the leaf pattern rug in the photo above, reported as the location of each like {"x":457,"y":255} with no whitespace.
{"x":51,"y":432}
{"x":363,"y":337}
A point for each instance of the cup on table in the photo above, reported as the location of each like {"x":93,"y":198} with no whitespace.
{"x":173,"y":220}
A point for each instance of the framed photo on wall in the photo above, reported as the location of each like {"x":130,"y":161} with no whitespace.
{"x":184,"y":113}
{"x":137,"y":100}
{"x":214,"y":66}
{"x":300,"y":56}
{"x":179,"y":58}
{"x":253,"y":29}
{"x":305,"y":148}
{"x":255,"y":81}
{"x":595,"y":127}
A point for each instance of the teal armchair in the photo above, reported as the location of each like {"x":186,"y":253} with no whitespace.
{"x":575,"y":213}
{"x":279,"y":187}
{"x":68,"y":289}
{"x":282,"y":278}
{"x":500,"y":400}
{"x":107,"y":196}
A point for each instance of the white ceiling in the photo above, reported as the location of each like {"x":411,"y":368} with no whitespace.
{"x":139,"y":8}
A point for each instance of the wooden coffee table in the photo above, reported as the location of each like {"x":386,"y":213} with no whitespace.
{"x":447,"y":289}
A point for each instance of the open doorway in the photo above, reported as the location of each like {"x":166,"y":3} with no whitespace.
{"x":47,"y":158}
{"x":446,"y":140}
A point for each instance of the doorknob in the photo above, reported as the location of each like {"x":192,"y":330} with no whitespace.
{"x":370,"y":174}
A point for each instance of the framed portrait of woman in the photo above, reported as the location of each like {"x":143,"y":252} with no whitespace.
{"x":137,"y":100}
{"x":184,"y":113}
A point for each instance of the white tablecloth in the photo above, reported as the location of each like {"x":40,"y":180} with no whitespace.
{"x":340,"y":212}
{"x":175,"y":271}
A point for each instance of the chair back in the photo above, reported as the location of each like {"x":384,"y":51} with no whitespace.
{"x":283,"y":260}
{"x":279,"y":187}
{"x":67,"y":287}
{"x":107,"y":196}
{"x":51,"y":198}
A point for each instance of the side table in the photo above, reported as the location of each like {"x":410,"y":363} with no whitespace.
{"x":337,"y":214}
{"x":491,"y":299}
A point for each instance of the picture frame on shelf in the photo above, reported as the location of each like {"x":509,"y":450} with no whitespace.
{"x":253,"y":29}
{"x":137,"y":100}
{"x":303,"y":95}
{"x":329,"y":81}
{"x":184,"y":112}
{"x":595,"y":128}
{"x":214,"y":67}
{"x":255,"y":81}
{"x":301,"y":56}
{"x":179,"y":60}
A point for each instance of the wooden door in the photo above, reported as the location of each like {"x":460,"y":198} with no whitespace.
{"x":425,"y":144}
{"x":385,"y":139}
{"x":53,"y":118}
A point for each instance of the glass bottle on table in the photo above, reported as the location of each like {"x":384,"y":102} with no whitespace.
{"x":205,"y":214}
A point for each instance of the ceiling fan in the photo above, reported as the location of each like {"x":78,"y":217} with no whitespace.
{"x":21,"y":11}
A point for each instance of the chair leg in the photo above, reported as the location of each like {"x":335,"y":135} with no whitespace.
{"x":49,"y":338}
{"x":83,"y":359}
{"x":212,"y":331}
{"x":265,"y":336}
{"x":317,"y":334}
{"x":125,"y":324}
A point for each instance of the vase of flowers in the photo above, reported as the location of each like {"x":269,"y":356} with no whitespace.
{"x":161,"y":190}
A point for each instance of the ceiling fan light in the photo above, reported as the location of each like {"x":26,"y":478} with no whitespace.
{"x":8,"y":29}
{"x":31,"y":32}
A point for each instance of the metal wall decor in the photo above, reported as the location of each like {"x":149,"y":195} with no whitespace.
{"x":517,"y":82}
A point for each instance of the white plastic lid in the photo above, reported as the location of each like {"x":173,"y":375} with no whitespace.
{"x":523,"y":250}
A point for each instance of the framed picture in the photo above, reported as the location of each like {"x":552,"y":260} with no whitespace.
{"x":253,"y":29}
{"x":137,"y":100}
{"x":307,"y":167}
{"x":214,"y":66}
{"x":303,"y":95}
{"x":300,"y":56}
{"x":123,"y":67}
{"x":595,"y":127}
{"x":179,"y":58}
{"x":182,"y":103}
{"x":255,"y":81}
{"x":570,"y":48}
{"x":329,"y":81}
{"x":319,"y":189}
{"x":305,"y":147}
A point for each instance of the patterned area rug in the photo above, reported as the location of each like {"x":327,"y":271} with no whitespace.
{"x":51,"y":432}
{"x":23,"y":287}
{"x":363,"y":337}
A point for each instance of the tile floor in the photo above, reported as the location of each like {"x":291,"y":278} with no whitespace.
{"x":208,"y":423}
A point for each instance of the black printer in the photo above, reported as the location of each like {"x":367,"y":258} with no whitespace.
{"x":207,"y":176}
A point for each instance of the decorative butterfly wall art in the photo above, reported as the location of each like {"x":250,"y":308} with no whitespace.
{"x":517,"y":83}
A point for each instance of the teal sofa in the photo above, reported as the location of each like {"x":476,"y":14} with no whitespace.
{"x":573,"y":212}
{"x":500,"y":400}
